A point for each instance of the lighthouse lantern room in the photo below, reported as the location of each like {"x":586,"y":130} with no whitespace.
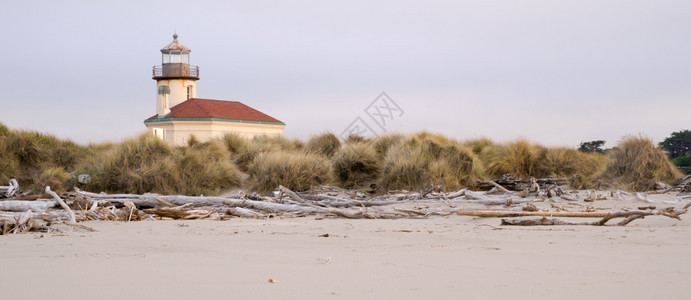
{"x":175,"y":77}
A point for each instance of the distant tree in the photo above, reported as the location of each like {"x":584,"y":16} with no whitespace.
{"x":678,"y":144}
{"x":592,"y":146}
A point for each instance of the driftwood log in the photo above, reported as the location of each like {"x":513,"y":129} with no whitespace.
{"x":505,"y":214}
{"x":513,"y":184}
{"x":628,"y":217}
{"x":21,"y":206}
{"x":335,"y":202}
{"x":11,"y":190}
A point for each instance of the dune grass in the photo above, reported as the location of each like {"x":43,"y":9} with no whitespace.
{"x":383,"y":143}
{"x":637,"y":164}
{"x":425,"y":159}
{"x":146,"y":164}
{"x":519,"y":158}
{"x":206,"y":168}
{"x":295,"y":170}
{"x":25,"y":155}
{"x":479,"y":144}
{"x":356,"y":165}
{"x":325,"y":144}
{"x":247,"y":152}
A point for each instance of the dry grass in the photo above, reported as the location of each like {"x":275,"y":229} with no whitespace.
{"x":405,"y":167}
{"x":456,"y":167}
{"x":146,"y":164}
{"x":139,"y":165}
{"x":246,"y":152}
{"x":24,"y":155}
{"x":479,"y":144}
{"x":637,"y":164}
{"x":56,"y":177}
{"x":393,"y":161}
{"x":565,"y":162}
{"x":298,"y":171}
{"x":234,"y":142}
{"x":519,"y":158}
{"x":356,"y":165}
{"x":206,"y":168}
{"x":383,"y":143}
{"x":426,"y":159}
{"x":325,"y":144}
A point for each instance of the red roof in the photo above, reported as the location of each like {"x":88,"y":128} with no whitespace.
{"x":218,"y":109}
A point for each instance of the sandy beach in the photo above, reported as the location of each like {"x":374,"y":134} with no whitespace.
{"x":440,"y":257}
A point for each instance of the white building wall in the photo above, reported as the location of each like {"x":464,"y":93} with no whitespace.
{"x":178,"y":94}
{"x":177,"y":133}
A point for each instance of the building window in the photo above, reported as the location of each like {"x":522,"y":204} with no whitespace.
{"x":190,"y":92}
{"x":160,"y":133}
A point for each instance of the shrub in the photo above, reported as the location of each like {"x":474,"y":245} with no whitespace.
{"x":325,"y":144}
{"x":684,"y":163}
{"x":356,"y":165}
{"x":592,"y":146}
{"x":678,"y":144}
{"x":637,"y":164}
{"x":298,"y":171}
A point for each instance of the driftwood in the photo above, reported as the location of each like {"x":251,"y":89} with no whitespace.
{"x":628,"y":216}
{"x":21,"y":206}
{"x":19,"y":224}
{"x":323,"y":202}
{"x":70,"y":213}
{"x":502,"y":214}
{"x":510,"y":183}
{"x":10,"y":190}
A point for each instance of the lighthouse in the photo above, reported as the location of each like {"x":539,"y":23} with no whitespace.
{"x":176,"y":79}
{"x":181,"y":117}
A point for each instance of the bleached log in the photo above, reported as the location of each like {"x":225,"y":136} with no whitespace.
{"x":290,"y":194}
{"x":470,"y":195}
{"x":63,"y":204}
{"x":628,"y":216}
{"x":456,"y":194}
{"x":503,"y":214}
{"x":503,"y":189}
{"x":19,"y":205}
{"x":10,"y":190}
{"x":477,"y":198}
{"x":155,"y":200}
{"x":244,"y":212}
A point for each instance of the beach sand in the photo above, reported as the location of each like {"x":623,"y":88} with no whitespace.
{"x":454,"y":257}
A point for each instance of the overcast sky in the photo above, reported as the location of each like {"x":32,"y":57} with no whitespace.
{"x":554,"y":72}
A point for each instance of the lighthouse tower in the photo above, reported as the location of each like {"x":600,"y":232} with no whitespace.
{"x":176,"y":79}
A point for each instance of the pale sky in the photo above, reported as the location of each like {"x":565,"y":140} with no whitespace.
{"x":553,"y":72}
